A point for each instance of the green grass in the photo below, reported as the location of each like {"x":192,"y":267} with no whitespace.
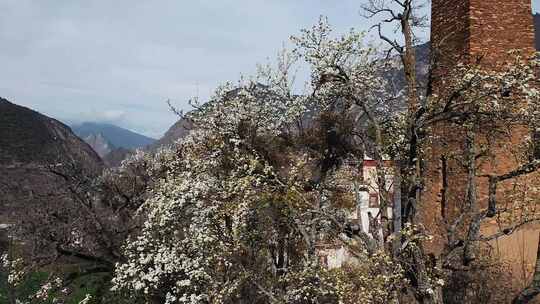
{"x":88,"y":285}
{"x":96,"y":285}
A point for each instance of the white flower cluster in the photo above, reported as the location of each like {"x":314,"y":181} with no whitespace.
{"x":14,"y":268}
{"x":194,"y":216}
{"x":86,"y":299}
{"x":45,"y":290}
{"x":226,"y":219}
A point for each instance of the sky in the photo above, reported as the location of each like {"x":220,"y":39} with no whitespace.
{"x":120,"y":61}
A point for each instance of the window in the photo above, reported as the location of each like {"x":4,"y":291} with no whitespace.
{"x":506,"y":92}
{"x":536,"y":144}
{"x":391,"y":199}
{"x":373,"y":200}
{"x":323,"y":259}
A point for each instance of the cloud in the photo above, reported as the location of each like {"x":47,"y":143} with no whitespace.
{"x":103,"y":116}
{"x":121,"y":60}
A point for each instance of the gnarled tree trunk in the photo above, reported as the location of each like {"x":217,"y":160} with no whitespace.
{"x":531,"y":291}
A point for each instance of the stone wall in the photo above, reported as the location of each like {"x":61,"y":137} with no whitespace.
{"x":497,"y":26}
{"x":450,"y":32}
{"x":465,"y":31}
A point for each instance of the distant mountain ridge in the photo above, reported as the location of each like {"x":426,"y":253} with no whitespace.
{"x":99,"y":143}
{"x":116,"y":156}
{"x":106,"y":137}
{"x":181,"y":128}
{"x":178,"y":130}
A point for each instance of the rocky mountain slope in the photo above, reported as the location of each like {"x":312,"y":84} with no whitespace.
{"x":115,"y":157}
{"x":175,"y":132}
{"x":106,"y":137}
{"x":99,"y":143}
{"x":30,"y":143}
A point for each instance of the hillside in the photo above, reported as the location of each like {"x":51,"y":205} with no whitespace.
{"x":31,"y":142}
{"x":175,"y":132}
{"x":27,"y":136}
{"x":115,"y":136}
{"x":99,"y":143}
{"x":115,"y":157}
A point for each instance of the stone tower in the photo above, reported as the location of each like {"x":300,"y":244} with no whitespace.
{"x":467,"y":31}
{"x":464,"y":30}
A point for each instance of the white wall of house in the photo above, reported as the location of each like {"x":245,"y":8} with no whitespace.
{"x":335,"y":258}
{"x":370,"y":191}
{"x":367,"y":195}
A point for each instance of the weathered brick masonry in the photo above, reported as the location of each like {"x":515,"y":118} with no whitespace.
{"x":464,"y":31}
{"x":497,"y":26}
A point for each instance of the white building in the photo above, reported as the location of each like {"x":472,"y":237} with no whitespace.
{"x":368,"y":198}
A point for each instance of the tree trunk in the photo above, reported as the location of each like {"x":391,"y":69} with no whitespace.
{"x":409,"y":61}
{"x":396,"y":211}
{"x":531,"y":291}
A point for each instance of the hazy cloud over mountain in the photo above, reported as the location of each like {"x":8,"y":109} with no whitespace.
{"x":119,"y":61}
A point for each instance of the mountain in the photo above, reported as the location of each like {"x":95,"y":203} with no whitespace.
{"x":115,"y":157}
{"x":179,"y":130}
{"x":184,"y":125}
{"x":395,"y":77}
{"x":110,"y":135}
{"x":31,"y":143}
{"x":27,"y":136}
{"x":99,"y":143}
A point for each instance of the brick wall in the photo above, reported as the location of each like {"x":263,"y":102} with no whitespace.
{"x":450,"y":33}
{"x":497,"y":26}
{"x":464,"y":31}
